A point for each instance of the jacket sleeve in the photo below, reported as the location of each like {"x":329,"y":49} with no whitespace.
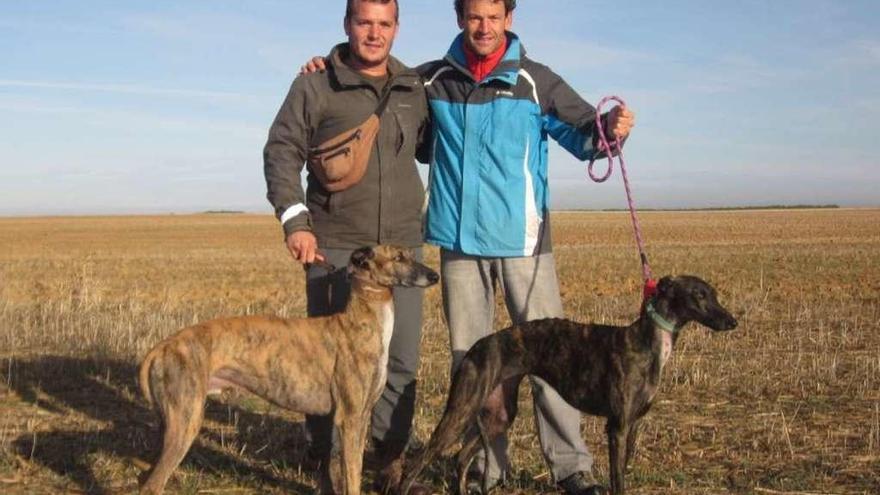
{"x":284,"y":157}
{"x":570,"y":120}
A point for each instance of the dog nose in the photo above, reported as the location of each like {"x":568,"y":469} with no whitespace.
{"x":433,"y":277}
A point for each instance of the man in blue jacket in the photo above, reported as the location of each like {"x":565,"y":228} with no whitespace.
{"x":493,"y":109}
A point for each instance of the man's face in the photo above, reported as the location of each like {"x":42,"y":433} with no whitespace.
{"x":483,"y":23}
{"x":371,"y":30}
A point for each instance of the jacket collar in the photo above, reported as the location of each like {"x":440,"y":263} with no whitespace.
{"x":399,"y":74}
{"x":507,"y":70}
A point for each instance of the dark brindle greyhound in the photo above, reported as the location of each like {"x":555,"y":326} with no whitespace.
{"x":602,"y":370}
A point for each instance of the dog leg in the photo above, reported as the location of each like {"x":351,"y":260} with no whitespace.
{"x":181,"y":424}
{"x":361,"y":443}
{"x":465,"y":457}
{"x":351,"y":421}
{"x":498,"y":413}
{"x":485,"y":440}
{"x":466,"y":397}
{"x":617,"y":435}
{"x":352,"y":455}
{"x":330,"y":476}
{"x":631,"y":438}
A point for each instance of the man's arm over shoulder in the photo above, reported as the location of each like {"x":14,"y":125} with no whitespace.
{"x":285,"y":154}
{"x":569,"y":119}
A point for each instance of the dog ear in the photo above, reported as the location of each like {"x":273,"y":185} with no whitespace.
{"x":361,"y":257}
{"x":665,"y":286}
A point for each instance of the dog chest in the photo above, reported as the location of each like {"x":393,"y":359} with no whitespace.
{"x":386,"y":322}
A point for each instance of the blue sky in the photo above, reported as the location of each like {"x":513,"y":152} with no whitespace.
{"x":163,"y":106}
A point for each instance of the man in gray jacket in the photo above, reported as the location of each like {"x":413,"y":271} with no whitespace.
{"x":384,"y":207}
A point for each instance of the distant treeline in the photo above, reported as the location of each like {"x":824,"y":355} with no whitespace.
{"x":733,"y":208}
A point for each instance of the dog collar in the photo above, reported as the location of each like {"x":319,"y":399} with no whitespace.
{"x":663,"y":323}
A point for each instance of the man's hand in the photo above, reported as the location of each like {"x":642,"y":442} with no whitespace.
{"x":316,"y":64}
{"x":303,"y":246}
{"x":620,"y":121}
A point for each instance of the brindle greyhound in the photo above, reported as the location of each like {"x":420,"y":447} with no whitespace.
{"x":334,"y":364}
{"x":600,"y":369}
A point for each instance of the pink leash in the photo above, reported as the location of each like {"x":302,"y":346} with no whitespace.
{"x":650,"y":284}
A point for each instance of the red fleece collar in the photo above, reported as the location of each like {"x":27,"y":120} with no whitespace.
{"x":481,"y":67}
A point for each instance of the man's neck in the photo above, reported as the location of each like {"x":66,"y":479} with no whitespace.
{"x":482,"y":66}
{"x":378,"y":70}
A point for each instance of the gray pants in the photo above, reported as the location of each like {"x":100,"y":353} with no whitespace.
{"x":530,"y":292}
{"x":392,"y":415}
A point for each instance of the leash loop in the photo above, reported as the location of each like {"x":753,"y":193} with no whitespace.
{"x":610,"y":147}
{"x":604,"y":144}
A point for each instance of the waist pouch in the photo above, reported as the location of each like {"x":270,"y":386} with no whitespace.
{"x":341,"y":161}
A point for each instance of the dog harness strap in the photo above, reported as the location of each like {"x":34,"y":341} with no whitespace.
{"x":663,"y":323}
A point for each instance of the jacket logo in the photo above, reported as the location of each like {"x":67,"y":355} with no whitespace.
{"x":502,"y":92}
{"x":404,"y":105}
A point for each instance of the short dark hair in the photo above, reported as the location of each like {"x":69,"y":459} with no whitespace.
{"x":509,"y":5}
{"x":349,"y":7}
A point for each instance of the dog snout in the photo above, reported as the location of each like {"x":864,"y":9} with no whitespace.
{"x":731,"y":322}
{"x":724,"y":321}
{"x":427,"y":277}
{"x":420,"y":276}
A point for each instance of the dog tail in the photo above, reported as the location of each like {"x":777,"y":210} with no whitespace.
{"x":473,"y":382}
{"x":144,"y":375}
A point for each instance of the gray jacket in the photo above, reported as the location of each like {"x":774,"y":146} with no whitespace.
{"x":385,"y":206}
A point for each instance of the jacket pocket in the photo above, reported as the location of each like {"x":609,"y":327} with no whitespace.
{"x":342,"y":161}
{"x":335,"y":160}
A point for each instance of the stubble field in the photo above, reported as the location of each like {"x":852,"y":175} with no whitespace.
{"x":788,"y":403}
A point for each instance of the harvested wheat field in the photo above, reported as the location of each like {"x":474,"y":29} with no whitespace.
{"x":787,"y":403}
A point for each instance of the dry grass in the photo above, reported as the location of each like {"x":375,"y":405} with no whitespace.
{"x":788,"y":403}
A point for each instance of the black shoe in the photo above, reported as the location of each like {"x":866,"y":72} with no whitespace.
{"x":581,"y":483}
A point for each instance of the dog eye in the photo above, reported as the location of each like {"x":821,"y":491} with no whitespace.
{"x":400,"y":257}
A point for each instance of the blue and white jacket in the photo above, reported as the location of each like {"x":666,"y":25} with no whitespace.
{"x":488,"y":186}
